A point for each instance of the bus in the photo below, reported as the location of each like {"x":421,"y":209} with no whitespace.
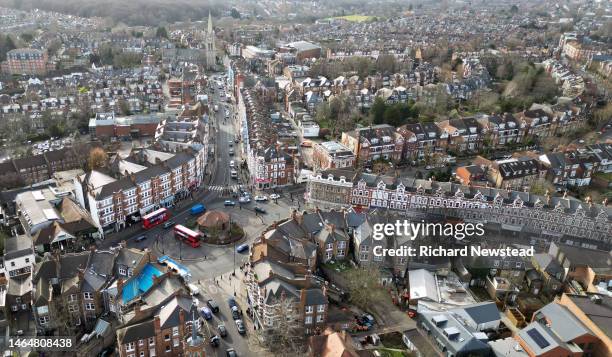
{"x":154,"y":218}
{"x":187,"y":235}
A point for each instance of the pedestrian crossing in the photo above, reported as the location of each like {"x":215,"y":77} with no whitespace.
{"x":217,"y":188}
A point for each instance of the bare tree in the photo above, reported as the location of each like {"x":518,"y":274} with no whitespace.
{"x":363,"y":286}
{"x":286,"y":337}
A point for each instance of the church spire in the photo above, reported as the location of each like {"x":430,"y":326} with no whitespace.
{"x":210,"y":28}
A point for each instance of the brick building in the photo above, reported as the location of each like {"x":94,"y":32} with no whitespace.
{"x":26,"y":61}
{"x":332,"y":155}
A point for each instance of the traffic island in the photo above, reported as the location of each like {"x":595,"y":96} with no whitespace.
{"x":218,"y":229}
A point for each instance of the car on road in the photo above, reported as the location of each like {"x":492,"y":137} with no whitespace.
{"x":212,"y":304}
{"x":274,"y":196}
{"x":206,"y":313}
{"x":244,"y":199}
{"x":231,"y":302}
{"x":168,"y":224}
{"x":242,"y":248}
{"x":230,"y":143}
{"x":215,"y":341}
{"x":259,"y":210}
{"x":234,"y":174}
{"x":222,"y":330}
{"x":231,"y":152}
{"x":236,"y":140}
{"x":229,"y":203}
{"x":193,"y":289}
{"x":232,"y":164}
{"x":235,"y":312}
{"x":240,"y":327}
{"x":141,"y":238}
{"x":261,"y":198}
{"x":230,"y":352}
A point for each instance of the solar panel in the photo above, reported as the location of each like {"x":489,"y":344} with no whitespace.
{"x":538,"y":338}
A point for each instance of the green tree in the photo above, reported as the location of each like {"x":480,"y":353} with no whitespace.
{"x":234,"y":13}
{"x":161,"y":32}
{"x":27,"y":37}
{"x":377,"y":111}
{"x":393,"y":115}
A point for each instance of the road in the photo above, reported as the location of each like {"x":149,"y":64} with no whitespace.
{"x":210,"y":265}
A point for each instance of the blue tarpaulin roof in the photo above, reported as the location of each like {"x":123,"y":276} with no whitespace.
{"x":139,"y":284}
{"x":180,"y":268}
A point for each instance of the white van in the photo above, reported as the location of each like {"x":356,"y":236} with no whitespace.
{"x":232,"y":164}
{"x":234,"y":174}
{"x":193,"y":289}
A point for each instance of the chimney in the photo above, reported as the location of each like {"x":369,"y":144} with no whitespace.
{"x":156,"y":325}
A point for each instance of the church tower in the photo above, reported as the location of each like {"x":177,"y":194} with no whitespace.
{"x":209,"y":42}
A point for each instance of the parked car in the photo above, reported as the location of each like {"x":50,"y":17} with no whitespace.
{"x":230,"y":352}
{"x":240,"y":327}
{"x":229,"y":203}
{"x":232,"y":164}
{"x":242,"y":248}
{"x":274,"y":196}
{"x":222,"y":330}
{"x":259,"y":210}
{"x":261,"y":198}
{"x":212,"y":304}
{"x":215,"y":341}
{"x":235,"y":312}
{"x":168,"y":224}
{"x":206,"y":313}
{"x":231,"y":302}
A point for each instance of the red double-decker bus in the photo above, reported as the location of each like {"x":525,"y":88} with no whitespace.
{"x":154,"y":218}
{"x":187,"y":235}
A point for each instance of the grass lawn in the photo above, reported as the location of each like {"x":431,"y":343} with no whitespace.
{"x":393,"y":340}
{"x":356,"y":18}
{"x":339,"y":266}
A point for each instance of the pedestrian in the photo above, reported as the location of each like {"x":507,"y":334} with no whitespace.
{"x":204,"y":257}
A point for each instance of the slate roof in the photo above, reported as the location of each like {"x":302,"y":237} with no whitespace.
{"x":136,"y":332}
{"x":562,"y":322}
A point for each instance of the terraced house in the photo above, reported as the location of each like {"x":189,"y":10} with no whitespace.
{"x":114,"y":203}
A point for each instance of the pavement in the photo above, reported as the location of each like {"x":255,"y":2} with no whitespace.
{"x":211,"y":265}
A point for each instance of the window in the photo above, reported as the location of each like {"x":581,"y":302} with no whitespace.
{"x":319,"y":318}
{"x":175,"y":342}
{"x":89,"y":306}
{"x":140,"y":342}
{"x":151,"y":341}
{"x":321,"y":308}
{"x":152,"y":352}
{"x":72,"y":297}
{"x":167,"y":348}
{"x":88,"y":296}
{"x":308,"y":320}
{"x":175,"y":331}
{"x":330,"y":246}
{"x":141,"y":353}
{"x":167,"y":337}
{"x":27,"y":260}
{"x":73,"y":308}
{"x":130,"y":346}
{"x":122,"y":270}
{"x":43,"y":319}
{"x":309,"y":309}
